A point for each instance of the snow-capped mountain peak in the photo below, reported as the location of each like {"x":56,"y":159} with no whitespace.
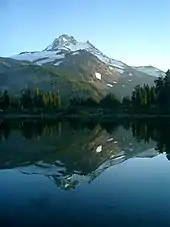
{"x":65,"y":45}
{"x":68,"y":44}
{"x":60,"y":42}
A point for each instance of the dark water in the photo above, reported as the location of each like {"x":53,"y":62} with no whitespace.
{"x":84,"y":174}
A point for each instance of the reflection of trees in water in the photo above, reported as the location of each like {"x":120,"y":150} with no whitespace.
{"x":156,"y":130}
{"x":74,"y":144}
{"x":110,"y":127}
{"x":4,"y":131}
{"x":36,"y":129}
{"x":74,"y":147}
{"x":143,"y":130}
{"x":148,"y":130}
{"x":29,"y":130}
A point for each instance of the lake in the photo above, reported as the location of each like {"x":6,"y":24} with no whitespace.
{"x":85,"y":174}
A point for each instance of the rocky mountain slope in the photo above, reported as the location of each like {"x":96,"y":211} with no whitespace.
{"x":82,"y":61}
{"x":16,"y":75}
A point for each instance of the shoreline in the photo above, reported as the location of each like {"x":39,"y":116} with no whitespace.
{"x":80,"y":116}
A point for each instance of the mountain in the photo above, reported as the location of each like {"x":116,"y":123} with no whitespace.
{"x":83,"y":62}
{"x":150,"y":70}
{"x":56,"y":52}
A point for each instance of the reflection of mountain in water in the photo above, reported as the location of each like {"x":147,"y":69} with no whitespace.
{"x":68,"y":155}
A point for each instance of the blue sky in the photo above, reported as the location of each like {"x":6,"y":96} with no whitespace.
{"x":135,"y":32}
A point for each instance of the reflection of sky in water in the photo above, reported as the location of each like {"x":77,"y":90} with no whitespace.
{"x":134,"y":189}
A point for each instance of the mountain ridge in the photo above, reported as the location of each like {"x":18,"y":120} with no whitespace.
{"x":70,"y":44}
{"x":81,"y":61}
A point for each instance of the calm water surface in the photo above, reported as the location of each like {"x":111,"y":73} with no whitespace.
{"x":67,"y":174}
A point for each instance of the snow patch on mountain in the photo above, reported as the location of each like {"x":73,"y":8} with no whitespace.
{"x":40,"y":57}
{"x":110,"y":67}
{"x":98,"y":76}
{"x":108,"y":61}
{"x":150,"y":70}
{"x":110,"y":139}
{"x":121,"y":71}
{"x":75,"y":53}
{"x":99,"y":149}
{"x":42,"y":168}
{"x":117,"y":64}
{"x":150,"y":153}
{"x":58,"y":63}
{"x":109,"y":85}
{"x":50,"y":59}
